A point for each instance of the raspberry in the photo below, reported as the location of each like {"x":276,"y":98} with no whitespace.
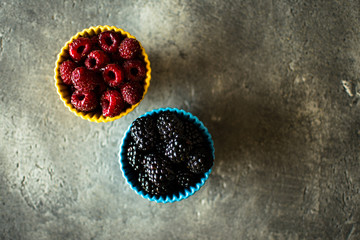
{"x":200,"y":161}
{"x":132,"y":92}
{"x":66,"y":68}
{"x":112,"y":103}
{"x":83,"y":79}
{"x":80,"y":48}
{"x":72,"y":89}
{"x":129,"y":48}
{"x":96,"y":60}
{"x":115,"y":58}
{"x":84,"y":101}
{"x":100,"y":88}
{"x":95,"y":42}
{"x":169,"y":126}
{"x":158,"y":170}
{"x":113,"y":75}
{"x":95,"y":64}
{"x":134,"y":156}
{"x":109,"y":41}
{"x":176,"y":150}
{"x":135,"y":70}
{"x":143,"y":131}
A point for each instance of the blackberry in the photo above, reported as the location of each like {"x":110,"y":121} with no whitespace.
{"x":134,"y":156}
{"x":143,"y":131}
{"x":158,"y":170}
{"x":194,"y":136}
{"x":169,"y":126}
{"x":200,"y":161}
{"x":150,"y":187}
{"x":176,"y":150}
{"x":160,"y":148}
{"x":186,"y":179}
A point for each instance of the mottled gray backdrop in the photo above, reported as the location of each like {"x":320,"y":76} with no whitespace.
{"x":276,"y":83}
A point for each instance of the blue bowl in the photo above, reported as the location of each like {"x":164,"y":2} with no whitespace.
{"x":131,"y":179}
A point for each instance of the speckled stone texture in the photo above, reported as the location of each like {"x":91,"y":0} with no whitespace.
{"x":277,"y":83}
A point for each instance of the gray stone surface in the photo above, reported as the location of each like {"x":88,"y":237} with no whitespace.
{"x":276,"y":83}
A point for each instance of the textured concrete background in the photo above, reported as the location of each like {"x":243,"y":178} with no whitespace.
{"x":276,"y":82}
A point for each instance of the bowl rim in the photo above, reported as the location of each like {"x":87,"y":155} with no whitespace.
{"x":168,"y":198}
{"x":61,"y":88}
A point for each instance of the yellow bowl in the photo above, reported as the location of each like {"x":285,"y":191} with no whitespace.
{"x":63,"y":90}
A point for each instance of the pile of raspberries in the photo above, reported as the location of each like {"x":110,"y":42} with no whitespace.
{"x":167,"y":153}
{"x":104,"y":73}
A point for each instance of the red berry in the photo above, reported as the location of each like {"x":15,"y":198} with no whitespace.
{"x":72,"y":89}
{"x":115,"y":58}
{"x":84,"y":100}
{"x":132,"y":92}
{"x":129,"y":48}
{"x":80,"y":48}
{"x":101,"y":88}
{"x":66,"y":68}
{"x":112,"y":103}
{"x":96,"y":60}
{"x":84,"y":79}
{"x":113,"y":75}
{"x":109,"y":41}
{"x":95,"y":40}
{"x":135,"y":70}
{"x":100,"y":64}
